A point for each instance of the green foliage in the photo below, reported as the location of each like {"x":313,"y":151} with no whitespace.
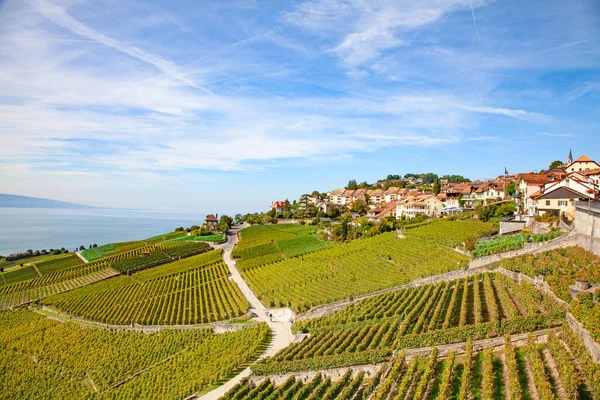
{"x":156,"y":255}
{"x":18,"y":274}
{"x":496,"y":211}
{"x":416,"y":317}
{"x":207,"y":238}
{"x":58,"y":264}
{"x":561,"y":267}
{"x":188,"y":292}
{"x":47,"y":359}
{"x":350,"y":269}
{"x":269,"y":243}
{"x":453,"y":233}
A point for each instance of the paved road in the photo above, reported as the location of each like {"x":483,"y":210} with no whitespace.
{"x":282,"y":335}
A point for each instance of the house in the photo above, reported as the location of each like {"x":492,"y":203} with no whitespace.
{"x":278,"y":206}
{"x":559,"y":201}
{"x":376,"y":196}
{"x":211,"y":220}
{"x":392,"y":194}
{"x":352,"y":215}
{"x":383,"y":211}
{"x":558,"y":197}
{"x":527,"y":185}
{"x":315,"y":199}
{"x":594,"y":176}
{"x":582,"y":164}
{"x":427,"y":204}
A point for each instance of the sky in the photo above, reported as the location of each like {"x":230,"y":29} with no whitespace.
{"x":226,"y":106}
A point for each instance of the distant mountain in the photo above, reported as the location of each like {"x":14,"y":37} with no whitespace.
{"x":14,"y":201}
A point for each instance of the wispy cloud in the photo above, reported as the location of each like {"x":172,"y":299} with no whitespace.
{"x":60,"y":17}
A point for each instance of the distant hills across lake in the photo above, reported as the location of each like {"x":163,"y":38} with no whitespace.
{"x":15,"y":201}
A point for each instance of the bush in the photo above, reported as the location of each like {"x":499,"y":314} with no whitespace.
{"x":470,"y":243}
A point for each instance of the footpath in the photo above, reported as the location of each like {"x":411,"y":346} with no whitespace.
{"x":281,"y":332}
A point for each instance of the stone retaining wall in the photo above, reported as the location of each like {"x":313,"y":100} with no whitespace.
{"x":306,"y":376}
{"x":336,"y":374}
{"x":585,"y":336}
{"x":570,"y":239}
{"x":217,"y":327}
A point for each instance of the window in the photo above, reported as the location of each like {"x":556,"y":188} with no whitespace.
{"x":547,"y":202}
{"x":563,"y":203}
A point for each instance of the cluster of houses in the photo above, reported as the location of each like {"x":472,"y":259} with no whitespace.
{"x":553,"y":191}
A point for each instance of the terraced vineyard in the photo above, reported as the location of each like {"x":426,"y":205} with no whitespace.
{"x":189,"y":292}
{"x":54,"y":283}
{"x":85,"y":274}
{"x":268,"y":243}
{"x":546,"y":370}
{"x":43,"y":358}
{"x":477,"y":307}
{"x":354,"y":268}
{"x":453,"y":233}
{"x":58,"y":264}
{"x":560,"y":268}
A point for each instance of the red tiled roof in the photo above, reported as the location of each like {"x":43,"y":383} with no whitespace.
{"x":534,"y":178}
{"x":594,"y":171}
{"x":211,"y":218}
{"x":584,"y":158}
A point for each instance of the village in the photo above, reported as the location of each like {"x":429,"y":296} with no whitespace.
{"x":554,"y":191}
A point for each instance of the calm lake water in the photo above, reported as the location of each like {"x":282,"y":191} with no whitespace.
{"x":46,"y":228}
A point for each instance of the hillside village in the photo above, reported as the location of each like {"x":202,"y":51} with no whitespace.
{"x":553,"y":191}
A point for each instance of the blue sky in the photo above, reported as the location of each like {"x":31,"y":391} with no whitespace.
{"x":201,"y":106}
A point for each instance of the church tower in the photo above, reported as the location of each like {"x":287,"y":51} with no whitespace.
{"x":570,"y":159}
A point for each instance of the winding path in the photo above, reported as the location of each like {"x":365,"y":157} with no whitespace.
{"x":281,"y":333}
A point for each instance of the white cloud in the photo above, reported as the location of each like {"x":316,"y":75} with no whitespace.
{"x":368,"y":28}
{"x":60,"y":17}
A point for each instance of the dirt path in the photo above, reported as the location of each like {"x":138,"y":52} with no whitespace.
{"x":78,"y":253}
{"x":37,"y":271}
{"x":282,"y":335}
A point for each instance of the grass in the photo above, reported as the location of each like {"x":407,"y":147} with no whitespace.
{"x":58,"y":264}
{"x":92,"y":254}
{"x":19,"y":274}
{"x":207,"y":238}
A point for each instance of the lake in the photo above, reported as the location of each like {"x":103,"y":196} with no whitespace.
{"x":45,"y":228}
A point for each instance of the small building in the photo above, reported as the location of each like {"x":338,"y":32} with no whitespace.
{"x":582,"y":164}
{"x":212,"y":220}
{"x":559,"y":201}
{"x":278,"y":206}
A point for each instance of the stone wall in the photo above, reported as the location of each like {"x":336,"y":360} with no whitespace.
{"x":570,"y":239}
{"x":585,"y":336}
{"x":306,"y":376}
{"x":511,"y":226}
{"x":587,"y":220}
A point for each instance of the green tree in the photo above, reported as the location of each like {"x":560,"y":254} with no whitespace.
{"x":360,"y":207}
{"x":352,"y":185}
{"x":555,"y":164}
{"x":511,"y":188}
{"x":436,"y":186}
{"x":225,"y":223}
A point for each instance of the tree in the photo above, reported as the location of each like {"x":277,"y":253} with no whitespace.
{"x":180,"y":229}
{"x":225,"y":222}
{"x":352,"y":185}
{"x":511,"y":188}
{"x":555,"y":164}
{"x":360,"y":207}
{"x":315,"y":193}
{"x":286,"y":205}
{"x":238,"y":218}
{"x":436,"y":186}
